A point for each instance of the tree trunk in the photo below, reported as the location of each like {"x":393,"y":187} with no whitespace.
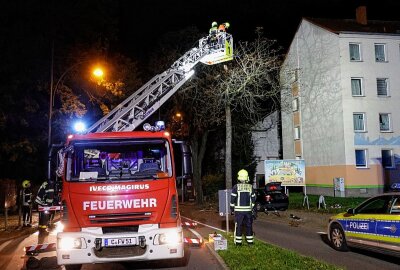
{"x":198,"y":151}
{"x":228,"y":148}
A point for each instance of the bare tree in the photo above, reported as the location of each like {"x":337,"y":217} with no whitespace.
{"x":248,"y":84}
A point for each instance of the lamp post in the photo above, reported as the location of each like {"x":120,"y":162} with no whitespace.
{"x":98,"y":72}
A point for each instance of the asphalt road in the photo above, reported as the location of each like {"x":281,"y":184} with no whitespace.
{"x":12,"y":257}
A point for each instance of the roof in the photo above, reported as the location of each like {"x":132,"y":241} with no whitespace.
{"x":351,"y":25}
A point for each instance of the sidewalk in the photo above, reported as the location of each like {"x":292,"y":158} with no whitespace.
{"x":13,"y":230}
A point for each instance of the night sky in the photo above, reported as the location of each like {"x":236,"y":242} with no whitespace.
{"x":142,"y":20}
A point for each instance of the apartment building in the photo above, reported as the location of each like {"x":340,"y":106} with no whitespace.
{"x":341,"y":103}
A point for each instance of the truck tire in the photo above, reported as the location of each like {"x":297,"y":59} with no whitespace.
{"x":73,"y":266}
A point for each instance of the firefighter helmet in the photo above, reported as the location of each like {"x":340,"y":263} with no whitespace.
{"x":26,"y":184}
{"x":214,"y":24}
{"x":243,"y":176}
{"x":227,"y":25}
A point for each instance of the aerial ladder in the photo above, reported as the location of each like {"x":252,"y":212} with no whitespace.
{"x":134,"y":110}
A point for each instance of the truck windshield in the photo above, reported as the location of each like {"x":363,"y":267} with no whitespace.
{"x":119,"y":160}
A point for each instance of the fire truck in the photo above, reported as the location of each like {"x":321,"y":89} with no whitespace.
{"x":119,"y":195}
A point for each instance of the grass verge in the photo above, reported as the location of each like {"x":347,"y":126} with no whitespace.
{"x":266,"y":256}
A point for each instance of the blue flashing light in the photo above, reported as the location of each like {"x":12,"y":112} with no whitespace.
{"x":79,"y":127}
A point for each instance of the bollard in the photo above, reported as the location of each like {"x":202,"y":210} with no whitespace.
{"x":305,"y":201}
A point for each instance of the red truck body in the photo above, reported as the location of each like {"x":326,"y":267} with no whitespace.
{"x":120,"y":200}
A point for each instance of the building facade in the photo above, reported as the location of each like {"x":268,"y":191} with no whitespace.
{"x":265,"y":138}
{"x":341,"y":103}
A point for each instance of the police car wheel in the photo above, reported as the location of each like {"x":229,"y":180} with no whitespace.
{"x":338,"y":239}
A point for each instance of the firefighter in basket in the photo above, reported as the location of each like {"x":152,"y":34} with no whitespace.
{"x":242,"y":204}
{"x":44,"y":198}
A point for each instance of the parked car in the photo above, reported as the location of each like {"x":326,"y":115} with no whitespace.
{"x":374,"y":225}
{"x":271,"y":198}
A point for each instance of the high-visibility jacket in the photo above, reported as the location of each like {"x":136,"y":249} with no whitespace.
{"x":243,"y":198}
{"x":213,"y":30}
{"x":26,"y":197}
{"x":45,"y":194}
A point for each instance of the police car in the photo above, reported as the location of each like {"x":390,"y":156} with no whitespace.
{"x":374,"y":224}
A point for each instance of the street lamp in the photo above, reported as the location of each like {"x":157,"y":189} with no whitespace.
{"x":98,"y":72}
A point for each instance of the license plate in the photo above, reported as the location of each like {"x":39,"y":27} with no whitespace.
{"x":117,"y":242}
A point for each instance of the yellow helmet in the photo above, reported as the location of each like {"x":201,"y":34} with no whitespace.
{"x":26,"y":184}
{"x":227,"y":25}
{"x":243,"y":176}
{"x":214,"y":24}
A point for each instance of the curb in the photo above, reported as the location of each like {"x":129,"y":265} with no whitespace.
{"x":216,"y":255}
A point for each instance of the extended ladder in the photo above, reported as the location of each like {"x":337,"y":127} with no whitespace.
{"x":140,"y":105}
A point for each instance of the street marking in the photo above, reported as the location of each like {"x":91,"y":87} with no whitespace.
{"x":4,"y":244}
{"x":198,"y":222}
{"x":197,"y":234}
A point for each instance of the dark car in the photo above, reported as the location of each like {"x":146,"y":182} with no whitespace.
{"x":271,"y":198}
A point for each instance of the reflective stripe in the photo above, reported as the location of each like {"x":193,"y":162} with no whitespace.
{"x":233,"y":194}
{"x":243,"y":210}
{"x":39,"y":201}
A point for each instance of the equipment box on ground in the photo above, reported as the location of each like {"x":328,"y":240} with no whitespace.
{"x":218,"y":241}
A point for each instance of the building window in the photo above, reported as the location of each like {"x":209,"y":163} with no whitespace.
{"x":355,"y":51}
{"x":384,"y":122}
{"x":361,"y":158}
{"x":295,"y":104}
{"x":356,"y":87}
{"x":359,"y":122}
{"x":380,"y":52}
{"x":382,"y":87}
{"x":387,"y":159}
{"x":297,"y":133}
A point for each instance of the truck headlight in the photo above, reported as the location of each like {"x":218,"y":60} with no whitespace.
{"x":68,"y":243}
{"x":171,"y":237}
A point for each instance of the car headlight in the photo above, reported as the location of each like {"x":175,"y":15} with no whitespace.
{"x":69,"y":243}
{"x":171,"y":237}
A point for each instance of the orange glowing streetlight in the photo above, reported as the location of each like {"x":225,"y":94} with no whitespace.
{"x":98,"y":72}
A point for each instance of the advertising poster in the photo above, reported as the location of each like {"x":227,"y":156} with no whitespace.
{"x":291,"y":172}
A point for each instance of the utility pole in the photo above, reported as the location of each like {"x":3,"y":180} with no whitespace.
{"x":51,"y":94}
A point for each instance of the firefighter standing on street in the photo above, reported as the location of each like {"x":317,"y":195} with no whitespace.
{"x":44,"y":198}
{"x":26,"y":203}
{"x":242,"y":203}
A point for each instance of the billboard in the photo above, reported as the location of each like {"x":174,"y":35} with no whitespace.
{"x":291,"y":172}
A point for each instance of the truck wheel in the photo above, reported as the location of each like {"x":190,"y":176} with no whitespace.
{"x":73,"y":266}
{"x":338,"y":239}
